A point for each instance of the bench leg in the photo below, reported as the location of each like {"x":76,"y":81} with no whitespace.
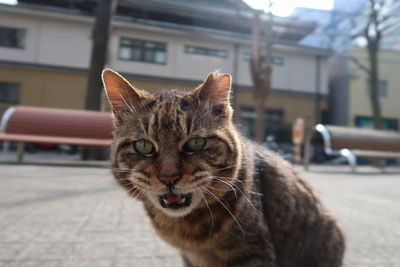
{"x":351,"y":158}
{"x":20,"y":151}
{"x":307,"y":148}
{"x":353,"y":162}
{"x":6,"y":146}
{"x":380,"y":164}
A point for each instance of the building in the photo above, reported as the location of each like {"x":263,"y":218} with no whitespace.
{"x":349,"y":100}
{"x":157,"y":44}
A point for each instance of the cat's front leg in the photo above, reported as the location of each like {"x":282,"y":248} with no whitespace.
{"x":252,"y":262}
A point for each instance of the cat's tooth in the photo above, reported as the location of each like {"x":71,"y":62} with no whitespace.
{"x":183,"y":200}
{"x":165,"y":201}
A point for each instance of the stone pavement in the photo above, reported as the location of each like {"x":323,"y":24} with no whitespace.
{"x":77,"y":216}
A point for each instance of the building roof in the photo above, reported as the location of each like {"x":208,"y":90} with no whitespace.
{"x":225,"y":16}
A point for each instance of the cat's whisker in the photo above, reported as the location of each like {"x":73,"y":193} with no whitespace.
{"x":140,"y":185}
{"x":116,"y":170}
{"x":253,"y":192}
{"x":227,"y":177}
{"x":198,"y":119}
{"x":133,"y":111}
{"x":219,"y":189}
{"x":221,"y":178}
{"x":204,"y":114}
{"x":243,"y":194}
{"x":136,"y":194}
{"x":225,"y":182}
{"x":121,"y":169}
{"x":242,"y":182}
{"x":131,"y":193}
{"x":132,"y":189}
{"x":229,"y":167}
{"x":141,"y":194}
{"x":208,"y":206}
{"x":125,"y":179}
{"x":226,"y":208}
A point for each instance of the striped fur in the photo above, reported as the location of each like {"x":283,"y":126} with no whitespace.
{"x":249,"y":207}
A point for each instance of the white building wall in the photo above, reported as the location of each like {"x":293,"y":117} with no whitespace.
{"x":179,"y":65}
{"x":142,"y":68}
{"x":192,"y":66}
{"x":49,"y":41}
{"x":298,"y":72}
{"x":279,"y":79}
{"x":29,"y":53}
{"x":65,"y":41}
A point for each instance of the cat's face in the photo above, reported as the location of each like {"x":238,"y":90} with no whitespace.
{"x":176,"y":150}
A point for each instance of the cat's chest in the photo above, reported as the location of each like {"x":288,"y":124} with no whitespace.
{"x":188,"y":236}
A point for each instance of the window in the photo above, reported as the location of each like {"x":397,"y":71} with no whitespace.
{"x":368,"y":122}
{"x":12,"y":37}
{"x":9,"y":92}
{"x":144,"y":51}
{"x":273,"y":119}
{"x":246,"y":56}
{"x":275,"y":60}
{"x":206,"y":51}
{"x":383,"y":89}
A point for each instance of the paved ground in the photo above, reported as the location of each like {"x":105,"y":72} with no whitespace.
{"x":77,"y":216}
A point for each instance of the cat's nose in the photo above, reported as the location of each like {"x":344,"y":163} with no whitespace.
{"x":169,"y":179}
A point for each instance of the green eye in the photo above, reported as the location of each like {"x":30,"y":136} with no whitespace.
{"x":195,"y":144}
{"x":143,"y":147}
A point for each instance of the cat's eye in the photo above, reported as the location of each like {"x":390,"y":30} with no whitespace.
{"x":195,"y":144}
{"x":143,"y":147}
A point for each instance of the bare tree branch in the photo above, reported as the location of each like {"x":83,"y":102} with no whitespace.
{"x":360,"y":65}
{"x":390,"y":26}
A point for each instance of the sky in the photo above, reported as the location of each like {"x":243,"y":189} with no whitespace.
{"x":284,"y":8}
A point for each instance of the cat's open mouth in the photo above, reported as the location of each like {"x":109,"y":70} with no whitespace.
{"x":172,"y":200}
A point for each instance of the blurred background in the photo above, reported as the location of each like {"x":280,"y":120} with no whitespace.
{"x":328,"y":61}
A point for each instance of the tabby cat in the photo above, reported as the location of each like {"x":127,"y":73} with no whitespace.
{"x":217,"y":197}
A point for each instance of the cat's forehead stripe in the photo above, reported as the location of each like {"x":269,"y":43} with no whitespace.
{"x":168,"y":121}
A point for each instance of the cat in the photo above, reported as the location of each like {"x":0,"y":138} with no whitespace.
{"x":217,"y":197}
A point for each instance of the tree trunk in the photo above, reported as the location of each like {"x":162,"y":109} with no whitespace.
{"x":100,"y":33}
{"x":260,"y":98}
{"x":260,"y":68}
{"x":259,"y":123}
{"x":373,"y":51}
{"x":101,"y":29}
{"x":372,"y":34}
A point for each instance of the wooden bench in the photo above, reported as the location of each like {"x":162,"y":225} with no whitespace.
{"x":55,"y":126}
{"x":352,"y":143}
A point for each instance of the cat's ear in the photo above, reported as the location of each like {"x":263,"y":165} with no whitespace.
{"x":215,"y":90}
{"x":122,"y":95}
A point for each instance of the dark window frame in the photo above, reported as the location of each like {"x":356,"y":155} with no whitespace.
{"x":19,"y":43}
{"x":5,"y":95}
{"x":273,"y":118}
{"x":388,"y":123}
{"x":383,"y":90}
{"x":276,"y":60}
{"x":144,"y":46}
{"x":206,"y":51}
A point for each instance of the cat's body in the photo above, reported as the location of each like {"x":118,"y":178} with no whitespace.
{"x":218,"y":198}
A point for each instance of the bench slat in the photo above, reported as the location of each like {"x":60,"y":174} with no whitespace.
{"x":376,"y":154}
{"x":60,"y":123}
{"x":54,"y":140}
